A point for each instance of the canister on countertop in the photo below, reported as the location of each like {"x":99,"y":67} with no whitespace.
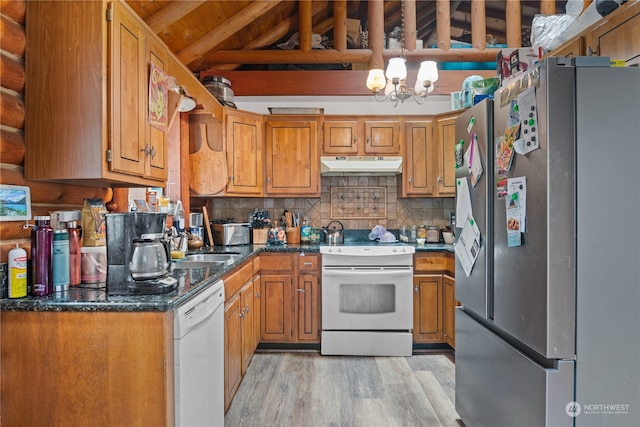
{"x":433,"y":234}
{"x":93,"y":264}
{"x":422,"y":232}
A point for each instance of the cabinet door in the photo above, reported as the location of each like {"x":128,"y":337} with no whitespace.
{"x":292,"y":158}
{"x":446,"y":174}
{"x":570,"y":49}
{"x":276,"y":308}
{"x":307,"y":308}
{"x":340,"y":137}
{"x":156,"y":139}
{"x":257,"y":311}
{"x":382,"y":137}
{"x":232,"y":349}
{"x":247,"y":323}
{"x":128,"y":63}
{"x":449,"y":307}
{"x":427,"y":308}
{"x":244,"y":154}
{"x":418,"y":177}
{"x":619,"y":35}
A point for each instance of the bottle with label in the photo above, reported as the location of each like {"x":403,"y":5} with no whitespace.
{"x":75,"y":269}
{"x":17,"y":272}
{"x":178,"y":217}
{"x":305,"y":231}
{"x":60,"y":260}
{"x":42,"y":256}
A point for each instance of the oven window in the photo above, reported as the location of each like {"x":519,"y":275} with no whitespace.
{"x":367,"y":299}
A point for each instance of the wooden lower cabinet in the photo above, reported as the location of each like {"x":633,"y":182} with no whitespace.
{"x":449,"y":303}
{"x":427,"y":308}
{"x":434,"y":298}
{"x":290,"y":291}
{"x":76,"y":368}
{"x":239,"y":327}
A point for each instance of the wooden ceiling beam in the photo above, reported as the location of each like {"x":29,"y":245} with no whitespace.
{"x":172,"y":12}
{"x":269,"y":38}
{"x":199,"y":49}
{"x":304,"y":33}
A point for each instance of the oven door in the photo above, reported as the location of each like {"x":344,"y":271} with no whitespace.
{"x":367,"y":298}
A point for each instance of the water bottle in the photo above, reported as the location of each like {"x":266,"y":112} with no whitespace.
{"x":75,"y":268}
{"x":60,"y":260}
{"x":178,"y":217}
{"x":41,"y":256}
{"x":17,"y":272}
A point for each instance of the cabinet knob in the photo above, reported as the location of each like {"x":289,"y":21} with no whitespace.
{"x":355,"y":139}
{"x":153,"y":152}
{"x":300,"y":290}
{"x":439,"y":179}
{"x":246,"y":309}
{"x":308,"y":263}
{"x":146,"y":150}
{"x":416,"y":289}
{"x":410,"y":179}
{"x":258,"y":295}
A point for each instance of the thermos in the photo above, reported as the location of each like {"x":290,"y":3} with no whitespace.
{"x":17,"y":272}
{"x":42,"y":256}
{"x":60,"y":260}
{"x":75,"y":269}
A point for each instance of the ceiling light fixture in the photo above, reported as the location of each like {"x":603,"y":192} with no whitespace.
{"x":395,"y":86}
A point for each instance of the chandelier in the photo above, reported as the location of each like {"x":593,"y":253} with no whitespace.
{"x":395,"y":86}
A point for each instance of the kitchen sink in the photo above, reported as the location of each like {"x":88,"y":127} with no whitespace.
{"x":206,"y":260}
{"x":211,"y":257}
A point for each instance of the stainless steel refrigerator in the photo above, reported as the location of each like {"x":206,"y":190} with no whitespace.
{"x":548,"y":333}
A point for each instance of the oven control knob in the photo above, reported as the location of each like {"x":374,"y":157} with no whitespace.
{"x":394,"y":250}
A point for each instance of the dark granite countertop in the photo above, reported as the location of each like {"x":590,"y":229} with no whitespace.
{"x":190,"y":283}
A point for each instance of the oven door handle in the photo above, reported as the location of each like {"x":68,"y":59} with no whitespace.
{"x":350,"y":271}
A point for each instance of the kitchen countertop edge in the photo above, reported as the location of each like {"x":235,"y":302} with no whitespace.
{"x":191,"y":282}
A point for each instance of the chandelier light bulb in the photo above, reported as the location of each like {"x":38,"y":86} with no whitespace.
{"x":397,"y":69}
{"x":376,"y":80}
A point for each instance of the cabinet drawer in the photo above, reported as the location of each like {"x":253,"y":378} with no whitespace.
{"x":256,"y":265}
{"x":275,"y":262}
{"x":234,"y":281}
{"x":431,"y":262}
{"x":308,"y":262}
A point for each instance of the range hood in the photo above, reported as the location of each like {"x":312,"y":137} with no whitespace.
{"x":361,"y":165}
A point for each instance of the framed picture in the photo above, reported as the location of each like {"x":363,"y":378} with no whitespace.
{"x":15,"y":203}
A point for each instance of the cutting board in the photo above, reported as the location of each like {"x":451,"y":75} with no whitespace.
{"x":208,"y":172}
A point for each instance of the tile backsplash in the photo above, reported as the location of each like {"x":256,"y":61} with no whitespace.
{"x":399,"y":211}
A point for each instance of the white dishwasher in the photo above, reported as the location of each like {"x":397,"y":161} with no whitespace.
{"x":199,"y":359}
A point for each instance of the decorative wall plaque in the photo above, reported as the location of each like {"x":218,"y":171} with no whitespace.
{"x":358,"y":202}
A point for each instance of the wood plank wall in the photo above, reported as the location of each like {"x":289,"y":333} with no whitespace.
{"x":45,"y":197}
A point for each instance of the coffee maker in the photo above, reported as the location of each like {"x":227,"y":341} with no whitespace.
{"x":138,"y":255}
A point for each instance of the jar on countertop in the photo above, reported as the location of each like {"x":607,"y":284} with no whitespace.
{"x":421,"y":232}
{"x":433,"y":234}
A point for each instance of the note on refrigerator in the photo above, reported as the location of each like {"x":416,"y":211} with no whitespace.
{"x":468,"y":245}
{"x":463,"y":202}
{"x":516,"y":210}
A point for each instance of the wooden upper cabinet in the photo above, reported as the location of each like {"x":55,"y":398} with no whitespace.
{"x":292,"y":163}
{"x":88,"y":96}
{"x":340,"y":137}
{"x":618,"y":35}
{"x":245,"y":155}
{"x":382,"y":137}
{"x":571,"y":48}
{"x":361,"y":136}
{"x":418,"y":169}
{"x":445,"y":129}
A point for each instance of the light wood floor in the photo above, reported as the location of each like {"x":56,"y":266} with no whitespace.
{"x":306,"y":389}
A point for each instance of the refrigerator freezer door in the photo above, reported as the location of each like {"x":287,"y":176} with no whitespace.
{"x":496,"y":385}
{"x":474,"y":291}
{"x":534,"y":284}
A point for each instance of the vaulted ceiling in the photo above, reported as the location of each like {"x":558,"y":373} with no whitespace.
{"x":198,"y":31}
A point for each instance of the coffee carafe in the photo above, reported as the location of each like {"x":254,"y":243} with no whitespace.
{"x":138,"y":256}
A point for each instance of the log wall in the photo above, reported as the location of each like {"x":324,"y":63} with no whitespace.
{"x":45,"y":197}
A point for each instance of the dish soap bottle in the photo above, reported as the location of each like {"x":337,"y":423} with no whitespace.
{"x":305,"y":231}
{"x":17,"y":272}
